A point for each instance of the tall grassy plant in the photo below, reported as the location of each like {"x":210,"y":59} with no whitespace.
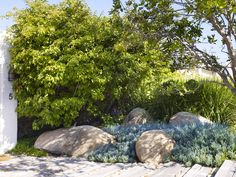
{"x":202,"y":97}
{"x":216,"y":102}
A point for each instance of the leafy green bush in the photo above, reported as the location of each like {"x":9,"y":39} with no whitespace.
{"x":203,"y":97}
{"x":70,"y":63}
{"x":208,"y":145}
{"x":25,"y":146}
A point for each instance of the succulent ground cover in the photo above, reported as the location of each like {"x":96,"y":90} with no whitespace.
{"x":208,"y":145}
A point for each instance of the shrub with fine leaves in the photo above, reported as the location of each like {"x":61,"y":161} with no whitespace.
{"x":208,"y":145}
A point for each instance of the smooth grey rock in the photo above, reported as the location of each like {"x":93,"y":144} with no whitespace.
{"x":55,"y":141}
{"x":154,"y":146}
{"x":75,"y":141}
{"x":87,"y":139}
{"x":137,"y":116}
{"x":187,"y":118}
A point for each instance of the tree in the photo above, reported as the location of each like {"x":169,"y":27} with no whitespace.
{"x":70,"y":62}
{"x":220,"y":14}
{"x":178,"y":24}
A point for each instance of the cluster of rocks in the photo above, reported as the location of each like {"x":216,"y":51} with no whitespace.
{"x":151,"y":147}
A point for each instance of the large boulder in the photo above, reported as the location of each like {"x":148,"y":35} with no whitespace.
{"x":75,"y":141}
{"x":187,"y":118}
{"x":154,"y":146}
{"x":137,"y":116}
{"x":87,"y":139}
{"x":55,"y":141}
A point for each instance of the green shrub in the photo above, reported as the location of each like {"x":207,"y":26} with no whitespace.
{"x":208,"y":145}
{"x":203,"y":97}
{"x":72,"y":63}
{"x":25,"y":146}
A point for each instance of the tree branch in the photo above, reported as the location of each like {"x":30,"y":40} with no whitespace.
{"x":216,"y":24}
{"x":212,"y":65}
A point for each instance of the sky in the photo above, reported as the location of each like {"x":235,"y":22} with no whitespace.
{"x":99,"y":7}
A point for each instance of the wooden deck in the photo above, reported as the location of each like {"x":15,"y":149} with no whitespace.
{"x":227,"y":169}
{"x":170,"y":169}
{"x":69,"y":167}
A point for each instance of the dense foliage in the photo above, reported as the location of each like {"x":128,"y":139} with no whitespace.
{"x":70,"y":63}
{"x":183,"y":24}
{"x":208,"y":145}
{"x":25,"y":146}
{"x":163,"y":20}
{"x":123,"y":150}
{"x":203,"y":97}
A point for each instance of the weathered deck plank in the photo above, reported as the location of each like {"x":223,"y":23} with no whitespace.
{"x":170,"y":169}
{"x":205,"y":172}
{"x":193,"y":171}
{"x":199,"y":171}
{"x":102,"y":172}
{"x":89,"y":168}
{"x":73,"y":167}
{"x":227,"y":169}
{"x":135,"y":171}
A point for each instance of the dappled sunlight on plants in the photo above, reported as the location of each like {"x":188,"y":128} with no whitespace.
{"x":203,"y":97}
{"x":208,"y":144}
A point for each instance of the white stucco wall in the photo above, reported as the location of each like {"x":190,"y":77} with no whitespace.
{"x":8,"y":116}
{"x":198,"y":72}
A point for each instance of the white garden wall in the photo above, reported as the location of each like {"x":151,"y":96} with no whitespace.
{"x":199,"y":73}
{"x":8,"y":116}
